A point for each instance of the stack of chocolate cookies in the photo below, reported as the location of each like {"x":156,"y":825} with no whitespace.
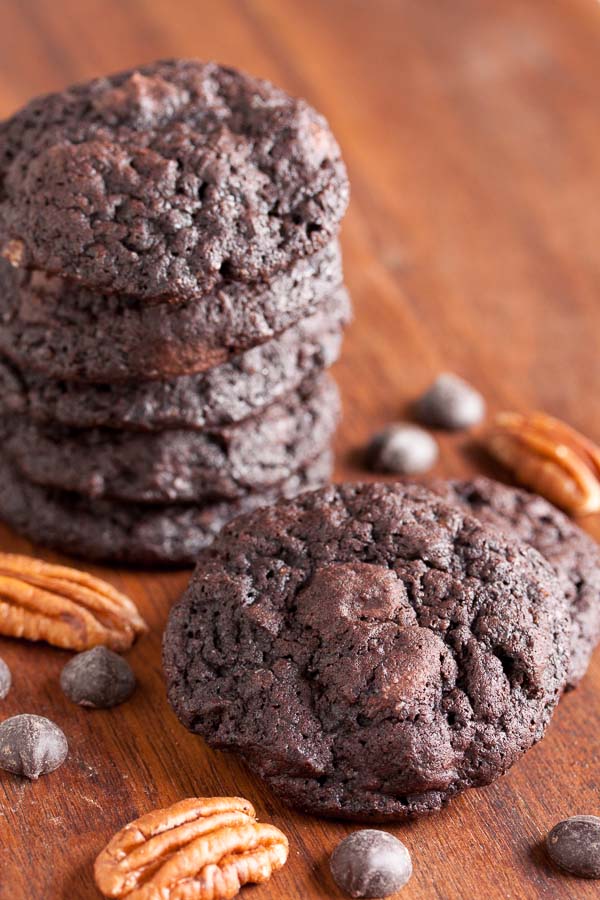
{"x":171,"y":295}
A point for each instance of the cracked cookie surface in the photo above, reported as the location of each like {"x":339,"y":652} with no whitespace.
{"x":167,"y":180}
{"x":369,"y":650}
{"x":573,"y":554}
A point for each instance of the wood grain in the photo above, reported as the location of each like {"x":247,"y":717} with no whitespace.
{"x":472,"y":134}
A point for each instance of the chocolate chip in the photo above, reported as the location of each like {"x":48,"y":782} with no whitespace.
{"x":403,"y":449}
{"x":31,"y":746}
{"x":450,"y":403}
{"x":574,"y":845}
{"x":5,"y":679}
{"x":370,"y":863}
{"x":99,"y":678}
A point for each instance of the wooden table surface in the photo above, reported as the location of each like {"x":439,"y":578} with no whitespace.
{"x":471,"y":129}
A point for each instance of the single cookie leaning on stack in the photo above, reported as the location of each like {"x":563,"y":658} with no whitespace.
{"x":171,"y":293}
{"x":370,"y":650}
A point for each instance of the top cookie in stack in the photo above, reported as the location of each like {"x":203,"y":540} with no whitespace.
{"x":179,"y":184}
{"x":171,"y":267}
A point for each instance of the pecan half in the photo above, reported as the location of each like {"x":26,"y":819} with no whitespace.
{"x":205,"y":848}
{"x":65,"y":607}
{"x":549,"y":457}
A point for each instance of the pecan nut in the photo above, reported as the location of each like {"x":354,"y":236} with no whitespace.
{"x":549,"y":457}
{"x":205,"y":848}
{"x":65,"y":607}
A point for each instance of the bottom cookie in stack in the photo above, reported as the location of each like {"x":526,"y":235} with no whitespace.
{"x":148,"y":472}
{"x":133,"y":533}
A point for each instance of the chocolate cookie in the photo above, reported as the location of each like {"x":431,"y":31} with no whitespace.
{"x":167,"y":180}
{"x":223,"y":395}
{"x":63,"y":330}
{"x":370,"y":650}
{"x":573,"y":555}
{"x":180,"y":465}
{"x":129,"y":533}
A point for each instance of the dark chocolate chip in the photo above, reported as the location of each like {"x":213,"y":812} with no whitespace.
{"x":574,"y":845}
{"x":450,"y":403}
{"x":5,"y":679}
{"x":31,"y":746}
{"x":371,"y":863}
{"x":402,"y":449}
{"x":98,"y":678}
